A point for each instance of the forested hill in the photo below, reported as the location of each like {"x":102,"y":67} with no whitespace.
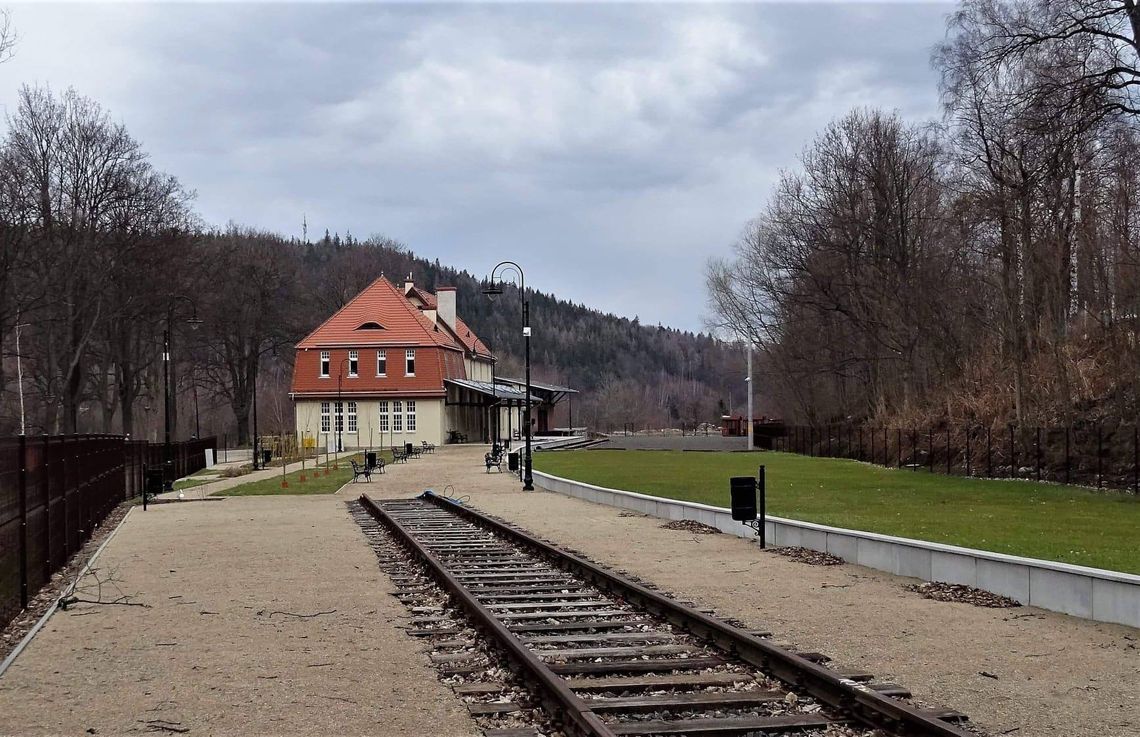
{"x":628,"y":372}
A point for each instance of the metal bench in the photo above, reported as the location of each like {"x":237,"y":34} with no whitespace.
{"x":398,"y":455}
{"x":428,"y":447}
{"x":359,"y":471}
{"x":493,"y":460}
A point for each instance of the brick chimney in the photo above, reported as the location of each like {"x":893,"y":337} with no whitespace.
{"x":445,"y":305}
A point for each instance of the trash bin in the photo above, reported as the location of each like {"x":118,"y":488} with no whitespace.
{"x":513,"y":461}
{"x":408,"y":448}
{"x":266,"y":457}
{"x":370,"y":459}
{"x":742,"y":490}
{"x":154,"y":478}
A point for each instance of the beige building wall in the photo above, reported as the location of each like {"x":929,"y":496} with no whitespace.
{"x":477,"y":369}
{"x":429,"y":423}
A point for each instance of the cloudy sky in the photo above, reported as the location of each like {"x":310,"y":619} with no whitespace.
{"x":610,"y":149}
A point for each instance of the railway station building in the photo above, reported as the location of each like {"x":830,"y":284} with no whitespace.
{"x":397,"y":365}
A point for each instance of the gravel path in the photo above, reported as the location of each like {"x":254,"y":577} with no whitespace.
{"x":264,"y":615}
{"x":1048,"y":674}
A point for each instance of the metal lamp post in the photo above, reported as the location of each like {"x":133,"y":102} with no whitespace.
{"x":167,"y":451}
{"x":493,"y":290}
{"x":494,"y":403}
{"x":339,"y":414}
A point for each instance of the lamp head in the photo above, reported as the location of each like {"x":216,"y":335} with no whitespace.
{"x":194,"y":321}
{"x":493,"y":289}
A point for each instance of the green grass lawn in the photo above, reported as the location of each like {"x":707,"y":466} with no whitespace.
{"x":1062,"y":523}
{"x":190,"y":481}
{"x":315,"y":483}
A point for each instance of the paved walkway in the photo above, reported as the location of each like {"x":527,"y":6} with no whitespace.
{"x":263,"y":615}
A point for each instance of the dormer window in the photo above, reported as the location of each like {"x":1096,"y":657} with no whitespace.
{"x":326,"y":364}
{"x":353,"y":364}
{"x":371,"y":326}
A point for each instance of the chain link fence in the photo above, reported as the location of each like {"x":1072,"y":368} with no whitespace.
{"x":1088,"y":454}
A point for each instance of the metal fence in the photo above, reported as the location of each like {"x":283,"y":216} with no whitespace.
{"x":1089,"y":454}
{"x":55,"y":490}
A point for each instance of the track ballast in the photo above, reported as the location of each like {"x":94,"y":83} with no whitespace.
{"x":605,"y":655}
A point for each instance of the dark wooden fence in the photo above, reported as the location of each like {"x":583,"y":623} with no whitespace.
{"x":55,"y":490}
{"x":1089,"y":455}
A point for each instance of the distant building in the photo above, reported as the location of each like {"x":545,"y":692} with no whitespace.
{"x":398,"y":365}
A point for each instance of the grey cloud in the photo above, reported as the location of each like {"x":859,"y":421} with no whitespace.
{"x":612,"y":148}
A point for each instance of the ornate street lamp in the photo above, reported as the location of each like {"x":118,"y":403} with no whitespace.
{"x":492,"y":290}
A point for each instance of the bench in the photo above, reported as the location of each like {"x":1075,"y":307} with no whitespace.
{"x":428,"y":447}
{"x":398,"y":455}
{"x":360,"y":472}
{"x":379,"y":466}
{"x":493,"y":460}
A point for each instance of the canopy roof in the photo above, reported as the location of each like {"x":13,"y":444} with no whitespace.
{"x":494,"y":391}
{"x":547,"y":393}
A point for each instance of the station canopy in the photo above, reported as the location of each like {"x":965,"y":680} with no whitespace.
{"x":546,"y":393}
{"x":505,"y":392}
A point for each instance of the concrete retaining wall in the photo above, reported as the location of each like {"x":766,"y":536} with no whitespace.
{"x":1092,"y":593}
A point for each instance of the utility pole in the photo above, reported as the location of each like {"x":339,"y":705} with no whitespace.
{"x":167,"y":458}
{"x":255,"y":463}
{"x":748,"y":419}
{"x":20,"y":375}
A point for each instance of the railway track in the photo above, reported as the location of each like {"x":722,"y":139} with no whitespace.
{"x":605,"y":655}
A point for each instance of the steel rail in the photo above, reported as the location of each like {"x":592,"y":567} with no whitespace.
{"x":561,"y":701}
{"x":870,"y":707}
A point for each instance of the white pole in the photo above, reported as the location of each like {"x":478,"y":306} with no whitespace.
{"x":748,"y":419}
{"x":20,"y":374}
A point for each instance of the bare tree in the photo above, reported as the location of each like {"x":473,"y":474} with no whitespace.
{"x":1039,"y":33}
{"x":8,"y":36}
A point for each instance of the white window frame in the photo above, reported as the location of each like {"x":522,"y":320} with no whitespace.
{"x":353,"y":364}
{"x":381,"y":363}
{"x":410,"y":415}
{"x":338,"y":417}
{"x":326,"y":421}
{"x":410,"y":362}
{"x":397,"y":416}
{"x":383,"y":416}
{"x":326,"y":364}
{"x":351,"y":417}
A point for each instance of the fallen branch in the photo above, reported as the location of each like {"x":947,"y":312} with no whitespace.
{"x":303,"y":616}
{"x":161,"y":725}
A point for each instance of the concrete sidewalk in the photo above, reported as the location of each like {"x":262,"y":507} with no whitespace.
{"x":251,"y":615}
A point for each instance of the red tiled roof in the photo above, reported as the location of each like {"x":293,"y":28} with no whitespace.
{"x":439,"y":348}
{"x":465,"y":335}
{"x":380,"y":302}
{"x":426,"y":297}
{"x":469,"y":339}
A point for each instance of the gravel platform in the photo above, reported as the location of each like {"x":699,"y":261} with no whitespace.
{"x":260,"y":616}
